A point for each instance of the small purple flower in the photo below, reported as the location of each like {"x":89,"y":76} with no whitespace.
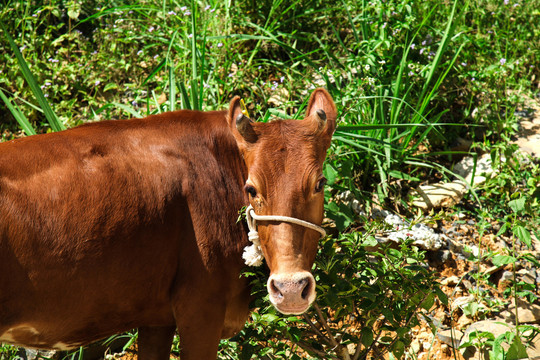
{"x":502,"y":61}
{"x":46,"y":95}
{"x":281,"y":79}
{"x":47,"y":83}
{"x":139,"y":52}
{"x":422,"y":50}
{"x":134,"y":103}
{"x":231,"y":75}
{"x":411,"y":73}
{"x":190,"y":36}
{"x":172,"y":13}
{"x":413,"y":46}
{"x":150,"y":29}
{"x":473,"y":79}
{"x":183,"y":8}
{"x":506,"y":2}
{"x":155,"y":57}
{"x":207,"y":7}
{"x":187,"y":13}
{"x":214,"y":9}
{"x":97,"y":83}
{"x":219,"y":44}
{"x":463,"y":64}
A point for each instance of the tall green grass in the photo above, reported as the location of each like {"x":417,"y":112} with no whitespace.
{"x":54,"y":121}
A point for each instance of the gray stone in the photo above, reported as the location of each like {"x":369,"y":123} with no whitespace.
{"x":451,"y":337}
{"x":528,"y":276}
{"x":482,"y":169}
{"x":507,"y":278}
{"x":527,"y":313}
{"x":450,"y":281}
{"x":496,"y":328}
{"x":32,"y":354}
{"x":433,"y":196}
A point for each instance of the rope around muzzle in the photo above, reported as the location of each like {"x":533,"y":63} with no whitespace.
{"x":253,"y":255}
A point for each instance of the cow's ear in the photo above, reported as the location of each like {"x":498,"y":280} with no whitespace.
{"x":240,"y":124}
{"x":323,"y":111}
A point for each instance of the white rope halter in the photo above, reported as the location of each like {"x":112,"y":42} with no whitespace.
{"x":253,"y":254}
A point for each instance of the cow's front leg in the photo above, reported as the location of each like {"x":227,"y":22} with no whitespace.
{"x":155,"y":342}
{"x":200,"y":326}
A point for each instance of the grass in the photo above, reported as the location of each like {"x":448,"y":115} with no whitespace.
{"x":410,"y":79}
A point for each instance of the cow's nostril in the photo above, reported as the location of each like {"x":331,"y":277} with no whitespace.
{"x":306,"y":291}
{"x":274,"y":286}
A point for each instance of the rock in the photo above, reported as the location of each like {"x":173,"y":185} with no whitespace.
{"x":528,"y":276}
{"x":494,"y":327}
{"x":415,"y":346}
{"x":528,"y":138}
{"x":421,"y":235}
{"x":450,"y":281}
{"x":466,"y":167}
{"x":527,"y":313}
{"x":450,"y":337}
{"x":461,"y":301}
{"x":347,"y":197}
{"x":427,"y":197}
{"x":440,"y":256}
{"x":32,"y":354}
{"x":279,"y":96}
{"x":506,"y":280}
{"x":464,"y":321}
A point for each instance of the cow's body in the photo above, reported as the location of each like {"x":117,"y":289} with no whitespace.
{"x":133,"y":224}
{"x":94,"y":222}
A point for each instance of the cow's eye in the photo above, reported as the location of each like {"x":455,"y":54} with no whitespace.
{"x":320,"y":185}
{"x":250,"y":190}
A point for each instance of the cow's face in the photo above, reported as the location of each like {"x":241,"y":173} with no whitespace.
{"x":284,"y":159}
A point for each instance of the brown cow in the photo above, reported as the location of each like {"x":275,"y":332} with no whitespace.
{"x":133,"y":224}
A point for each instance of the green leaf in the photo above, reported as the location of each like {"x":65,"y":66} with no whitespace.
{"x":517,"y":205}
{"x":499,"y":260}
{"x":366,"y":336}
{"x":523,"y":235}
{"x":427,"y":304}
{"x":401,"y":175}
{"x":517,"y":350}
{"x":110,"y":86}
{"x":330,"y":173}
{"x":18,"y":115}
{"x":269,"y":318}
{"x":441,"y":295}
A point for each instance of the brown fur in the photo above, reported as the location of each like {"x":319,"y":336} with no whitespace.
{"x":132,"y":224}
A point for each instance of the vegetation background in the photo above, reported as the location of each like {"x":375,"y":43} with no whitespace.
{"x":419,"y":84}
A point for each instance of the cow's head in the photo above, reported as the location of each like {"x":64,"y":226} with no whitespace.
{"x":285,"y":159}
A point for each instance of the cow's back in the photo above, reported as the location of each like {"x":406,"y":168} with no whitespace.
{"x":98,"y":224}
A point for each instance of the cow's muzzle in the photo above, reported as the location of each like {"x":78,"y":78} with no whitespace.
{"x":291,"y":293}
